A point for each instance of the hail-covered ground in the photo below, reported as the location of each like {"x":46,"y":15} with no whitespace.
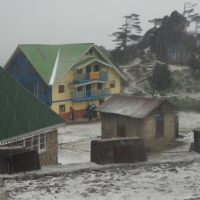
{"x":170,"y":175}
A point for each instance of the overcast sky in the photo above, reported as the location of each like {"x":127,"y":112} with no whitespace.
{"x":73,"y":21}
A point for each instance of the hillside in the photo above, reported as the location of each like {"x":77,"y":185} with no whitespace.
{"x":184,"y":90}
{"x":168,"y":44}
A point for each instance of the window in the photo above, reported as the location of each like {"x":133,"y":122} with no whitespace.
{"x":80,"y":88}
{"x":79,"y":71}
{"x":18,"y":69}
{"x":96,"y":68}
{"x":61,"y":89}
{"x":30,"y":70}
{"x":37,"y":142}
{"x":61,"y":108}
{"x":159,"y":126}
{"x":99,"y":85}
{"x":112,"y":84}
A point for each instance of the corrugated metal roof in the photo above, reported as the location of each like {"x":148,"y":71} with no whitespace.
{"x":136,"y":107}
{"x":45,"y":57}
{"x":22,"y":113}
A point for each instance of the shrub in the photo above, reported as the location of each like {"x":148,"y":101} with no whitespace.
{"x":162,"y":94}
{"x":138,"y":93}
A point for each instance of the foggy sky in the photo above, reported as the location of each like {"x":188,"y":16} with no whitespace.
{"x":73,"y":21}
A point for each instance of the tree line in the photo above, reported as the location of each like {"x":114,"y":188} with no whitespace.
{"x":130,"y":32}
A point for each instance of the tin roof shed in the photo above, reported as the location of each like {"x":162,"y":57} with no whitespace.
{"x":136,"y":107}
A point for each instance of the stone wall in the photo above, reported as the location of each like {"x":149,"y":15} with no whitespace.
{"x":50,"y":155}
{"x":118,"y":150}
{"x":108,"y":126}
{"x":143,"y":128}
{"x":149,"y":133}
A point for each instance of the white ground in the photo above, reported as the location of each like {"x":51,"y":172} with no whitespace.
{"x":166,"y":176}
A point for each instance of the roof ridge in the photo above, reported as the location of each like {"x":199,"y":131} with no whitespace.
{"x":139,"y":97}
{"x":53,"y":44}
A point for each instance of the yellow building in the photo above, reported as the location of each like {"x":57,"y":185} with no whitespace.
{"x":65,"y":76}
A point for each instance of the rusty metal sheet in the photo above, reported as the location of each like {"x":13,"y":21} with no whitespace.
{"x":22,"y":162}
{"x":136,"y":107}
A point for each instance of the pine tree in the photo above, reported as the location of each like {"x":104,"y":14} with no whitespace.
{"x":156,"y":21}
{"x":125,"y":35}
{"x":188,"y":9}
{"x":161,"y":76}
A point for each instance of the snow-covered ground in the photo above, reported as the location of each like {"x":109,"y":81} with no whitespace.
{"x":172,"y":175}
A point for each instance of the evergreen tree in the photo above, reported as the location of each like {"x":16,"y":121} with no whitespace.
{"x":156,"y":21}
{"x":125,"y":35}
{"x":195,"y":18}
{"x":161,"y":76}
{"x":188,"y":9}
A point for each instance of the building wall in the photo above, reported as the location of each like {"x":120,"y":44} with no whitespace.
{"x":108,"y":125}
{"x":80,"y":106}
{"x":46,"y":157}
{"x":149,"y":133}
{"x":144,"y":128}
{"x":50,"y":156}
{"x":33,"y":82}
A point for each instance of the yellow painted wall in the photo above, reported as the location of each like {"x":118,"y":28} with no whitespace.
{"x":114,"y":76}
{"x":69,"y":77}
{"x":65,"y":80}
{"x":95,"y":54}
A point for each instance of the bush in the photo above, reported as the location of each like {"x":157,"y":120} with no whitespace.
{"x":162,"y":94}
{"x":194,"y":64}
{"x":138,"y":93}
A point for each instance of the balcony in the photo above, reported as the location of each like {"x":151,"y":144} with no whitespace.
{"x":88,"y":95}
{"x":85,"y":77}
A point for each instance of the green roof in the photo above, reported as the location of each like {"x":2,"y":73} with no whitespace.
{"x":45,"y":57}
{"x":53,"y":61}
{"x":21,"y":112}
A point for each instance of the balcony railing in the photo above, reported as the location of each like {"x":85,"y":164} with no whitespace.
{"x":86,"y":95}
{"x":84,"y":77}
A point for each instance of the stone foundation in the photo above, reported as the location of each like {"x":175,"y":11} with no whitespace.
{"x":78,"y":114}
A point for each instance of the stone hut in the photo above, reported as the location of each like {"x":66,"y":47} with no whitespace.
{"x":153,"y":120}
{"x":27,"y":122}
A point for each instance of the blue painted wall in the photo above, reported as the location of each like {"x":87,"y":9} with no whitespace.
{"x":33,"y":82}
